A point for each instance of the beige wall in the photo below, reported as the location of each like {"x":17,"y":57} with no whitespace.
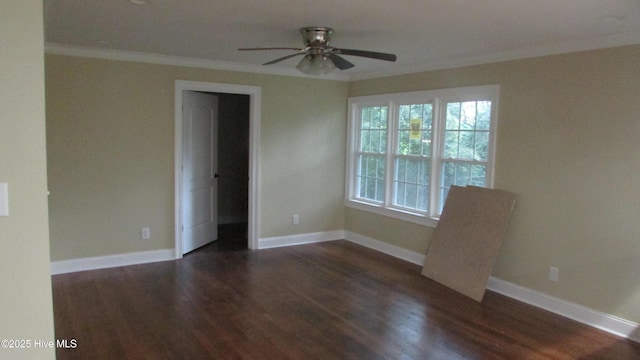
{"x":25,"y":298}
{"x":568,"y":147}
{"x":110,"y":142}
{"x":303,"y":144}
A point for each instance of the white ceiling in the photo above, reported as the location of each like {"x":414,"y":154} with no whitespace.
{"x":424,"y":34}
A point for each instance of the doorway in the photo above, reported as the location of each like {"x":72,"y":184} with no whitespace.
{"x":232,"y":208}
{"x":233,"y":170}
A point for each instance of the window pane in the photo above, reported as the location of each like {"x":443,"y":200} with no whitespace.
{"x":371,"y":167}
{"x":426,"y":143}
{"x":466,"y":145}
{"x":371,"y":189}
{"x":412,"y":171}
{"x":371,"y":174}
{"x":427,"y":116}
{"x":365,"y":121}
{"x":375,"y":141}
{"x":468,"y":115}
{"x":424,"y":172}
{"x":414,"y":129}
{"x":448,"y":174}
{"x":374,"y":117}
{"x":484,"y":115}
{"x":408,"y":144}
{"x":410,"y":199}
{"x":381,"y":167}
{"x":404,"y":116}
{"x":383,"y":142}
{"x":416,"y":111}
{"x":401,"y":170}
{"x":411,"y":183}
{"x":453,"y":116}
{"x":403,"y":142}
{"x":423,"y":198}
{"x":463,"y":173}
{"x":379,"y":190}
{"x":365,"y":141}
{"x":460,"y":174}
{"x":451,"y":144}
{"x":478,"y":175}
{"x":416,"y":146}
{"x":466,"y":135}
{"x":481,"y":146}
{"x":400,"y":191}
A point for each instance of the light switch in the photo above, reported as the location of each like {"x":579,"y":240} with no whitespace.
{"x":4,"y":199}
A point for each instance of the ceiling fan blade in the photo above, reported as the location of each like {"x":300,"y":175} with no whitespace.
{"x":270,"y":48}
{"x":367,"y":54}
{"x":283,"y":58}
{"x":340,"y":62}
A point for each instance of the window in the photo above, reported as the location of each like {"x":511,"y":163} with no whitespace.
{"x":372,"y":153}
{"x":407,"y":149}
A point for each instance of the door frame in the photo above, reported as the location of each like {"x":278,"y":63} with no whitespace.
{"x":254,"y":93}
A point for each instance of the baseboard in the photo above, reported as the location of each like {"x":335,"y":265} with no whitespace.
{"x":606,"y":322}
{"x":582,"y":314}
{"x":384,"y":247}
{"x":102,"y":262}
{"x":299,"y":239}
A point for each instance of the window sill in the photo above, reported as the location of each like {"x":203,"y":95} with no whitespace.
{"x":392,"y":213}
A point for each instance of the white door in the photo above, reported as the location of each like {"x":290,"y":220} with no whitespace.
{"x":200,"y":167}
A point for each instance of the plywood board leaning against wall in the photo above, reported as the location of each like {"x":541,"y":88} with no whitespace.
{"x":465,"y":244}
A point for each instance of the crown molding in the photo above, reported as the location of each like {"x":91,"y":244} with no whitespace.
{"x":616,"y":40}
{"x":110,"y":54}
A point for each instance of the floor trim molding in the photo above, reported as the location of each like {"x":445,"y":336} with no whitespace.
{"x":605,"y":322}
{"x":299,"y":239}
{"x":109,"y":261}
{"x":384,"y":247}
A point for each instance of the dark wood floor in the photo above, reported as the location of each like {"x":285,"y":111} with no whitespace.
{"x":334,"y":300}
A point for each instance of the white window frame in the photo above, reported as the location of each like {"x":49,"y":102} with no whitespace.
{"x":438,"y":98}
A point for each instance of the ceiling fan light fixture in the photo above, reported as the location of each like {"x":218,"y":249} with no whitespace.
{"x":316,"y":64}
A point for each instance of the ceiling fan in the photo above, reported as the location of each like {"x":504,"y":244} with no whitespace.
{"x":319,"y":57}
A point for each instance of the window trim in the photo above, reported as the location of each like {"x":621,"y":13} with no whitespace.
{"x":438,"y":98}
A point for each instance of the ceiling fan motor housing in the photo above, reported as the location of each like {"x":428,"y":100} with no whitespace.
{"x":316,"y":36}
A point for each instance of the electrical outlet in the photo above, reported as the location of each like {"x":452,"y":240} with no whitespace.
{"x":554,"y":273}
{"x":146,"y":233}
{"x":295,"y":219}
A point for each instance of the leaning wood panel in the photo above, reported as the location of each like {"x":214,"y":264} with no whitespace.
{"x":465,"y":244}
